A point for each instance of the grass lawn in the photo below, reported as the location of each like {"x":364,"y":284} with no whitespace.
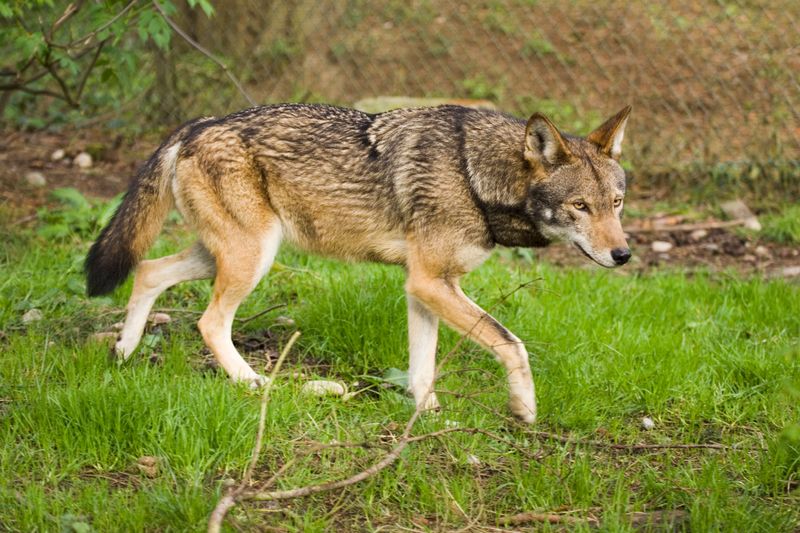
{"x":710,"y":358}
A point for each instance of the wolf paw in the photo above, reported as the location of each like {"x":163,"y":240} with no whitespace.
{"x":524,"y":410}
{"x":431,"y":404}
{"x":258,"y":382}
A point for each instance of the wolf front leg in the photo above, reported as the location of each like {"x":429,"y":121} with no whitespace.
{"x":423,"y":330}
{"x":445,"y":298}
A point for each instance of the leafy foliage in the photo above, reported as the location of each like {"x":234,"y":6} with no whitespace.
{"x":77,"y":216}
{"x":64,"y":59}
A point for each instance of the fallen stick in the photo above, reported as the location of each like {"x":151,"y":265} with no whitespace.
{"x":636,"y":519}
{"x":547,"y":518}
{"x":715,"y":224}
{"x":635,"y":447}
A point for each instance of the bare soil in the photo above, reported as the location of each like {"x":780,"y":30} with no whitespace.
{"x":116,"y":161}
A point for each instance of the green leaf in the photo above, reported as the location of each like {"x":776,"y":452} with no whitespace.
{"x":396,"y":377}
{"x":72,"y":197}
{"x":206,"y":6}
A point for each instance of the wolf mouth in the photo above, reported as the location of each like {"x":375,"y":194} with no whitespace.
{"x":584,"y":252}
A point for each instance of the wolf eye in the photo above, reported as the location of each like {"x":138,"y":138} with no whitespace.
{"x":580,"y":206}
{"x":617,"y":202}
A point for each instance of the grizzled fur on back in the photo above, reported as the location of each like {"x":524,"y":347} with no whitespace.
{"x":331,"y":173}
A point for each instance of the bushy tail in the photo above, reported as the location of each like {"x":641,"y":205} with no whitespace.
{"x":136,"y":223}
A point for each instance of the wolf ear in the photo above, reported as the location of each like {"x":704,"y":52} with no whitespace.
{"x":544,"y":143}
{"x":608,"y":137}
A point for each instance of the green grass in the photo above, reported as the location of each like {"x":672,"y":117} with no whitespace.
{"x":710,"y":357}
{"x":783,"y":227}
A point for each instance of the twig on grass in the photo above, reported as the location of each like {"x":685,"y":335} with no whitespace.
{"x":259,"y":314}
{"x":547,"y":518}
{"x":714,"y":224}
{"x":640,"y":447}
{"x":635,"y":519}
{"x":229,"y":500}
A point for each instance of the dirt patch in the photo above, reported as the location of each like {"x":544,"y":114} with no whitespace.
{"x":115,"y":160}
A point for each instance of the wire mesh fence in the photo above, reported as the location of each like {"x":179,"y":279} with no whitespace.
{"x":714,"y":84}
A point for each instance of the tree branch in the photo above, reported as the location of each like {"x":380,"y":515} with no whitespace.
{"x":203,"y":51}
{"x":89,"y":69}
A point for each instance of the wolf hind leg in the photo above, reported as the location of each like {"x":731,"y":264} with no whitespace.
{"x":423,"y":329}
{"x":154,"y":277}
{"x":240,"y":266}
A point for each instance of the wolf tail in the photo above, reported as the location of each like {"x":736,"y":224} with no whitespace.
{"x":137,"y":221}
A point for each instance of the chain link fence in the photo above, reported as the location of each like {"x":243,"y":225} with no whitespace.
{"x":714,"y":84}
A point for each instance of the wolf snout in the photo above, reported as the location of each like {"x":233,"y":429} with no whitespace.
{"x":621,"y":255}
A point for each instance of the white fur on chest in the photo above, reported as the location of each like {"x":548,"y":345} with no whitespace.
{"x":471,"y":257}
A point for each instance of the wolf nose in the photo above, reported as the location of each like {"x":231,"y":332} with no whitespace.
{"x":621,"y":255}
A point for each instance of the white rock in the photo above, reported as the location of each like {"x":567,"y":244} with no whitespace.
{"x":57,"y":155}
{"x":762,"y":251}
{"x":647,"y":423}
{"x":791,"y":271}
{"x":473,"y":460}
{"x":698,"y":234}
{"x":160,"y":318}
{"x":83,"y":160}
{"x":284,"y":321}
{"x":661,"y":246}
{"x":324,"y":388}
{"x":35,"y":179}
{"x":32,"y":316}
{"x":737,"y":210}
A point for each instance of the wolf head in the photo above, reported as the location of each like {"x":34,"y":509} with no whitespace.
{"x":578,"y":187}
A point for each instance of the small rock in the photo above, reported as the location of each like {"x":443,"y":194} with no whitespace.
{"x":159,"y":318}
{"x":104,"y":336}
{"x":35,"y":179}
{"x":664,"y":257}
{"x":711,"y":247}
{"x":324,"y":388}
{"x":83,"y":160}
{"x":32,"y":316}
{"x":737,"y":210}
{"x":57,"y":155}
{"x":762,"y":251}
{"x":648,"y":423}
{"x":750,"y":258}
{"x":787,"y":272}
{"x":148,"y":465}
{"x":661,"y":246}
{"x":473,"y":460}
{"x":284,"y":321}
{"x":698,"y":234}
